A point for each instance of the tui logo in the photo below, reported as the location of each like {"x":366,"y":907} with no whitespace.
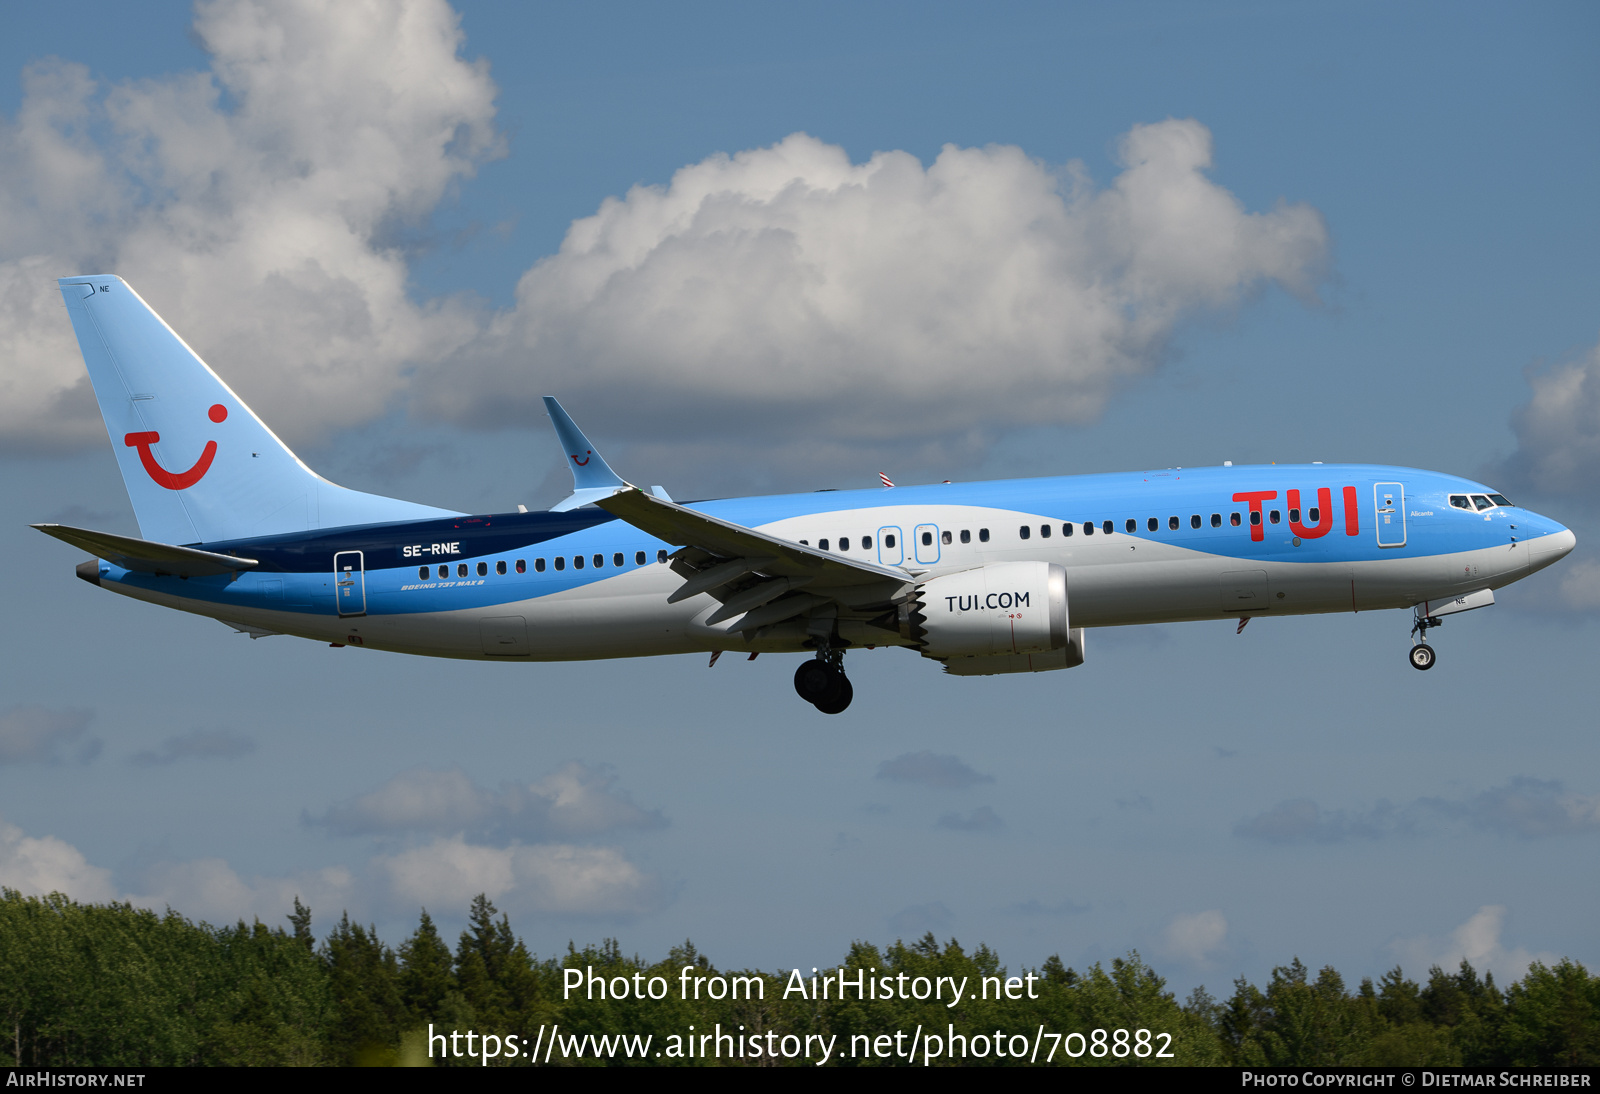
{"x":182,"y":480}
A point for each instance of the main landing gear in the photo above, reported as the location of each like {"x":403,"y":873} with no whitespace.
{"x":822,"y":682}
{"x":1422,"y":655}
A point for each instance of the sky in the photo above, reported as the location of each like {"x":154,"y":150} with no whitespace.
{"x":755,"y":249}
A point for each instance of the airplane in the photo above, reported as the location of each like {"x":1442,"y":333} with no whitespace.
{"x":982,"y":578}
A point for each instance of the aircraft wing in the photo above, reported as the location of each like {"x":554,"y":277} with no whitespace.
{"x":762,"y":578}
{"x":147,"y":557}
{"x":677,"y":524}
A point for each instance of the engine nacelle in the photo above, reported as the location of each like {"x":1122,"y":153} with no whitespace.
{"x":1002,"y":609}
{"x":1067,"y":657}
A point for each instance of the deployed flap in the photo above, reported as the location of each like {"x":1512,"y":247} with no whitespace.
{"x":721,"y":554}
{"x":674,"y":523}
{"x":147,"y":557}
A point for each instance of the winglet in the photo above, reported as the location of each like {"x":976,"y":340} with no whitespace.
{"x":592,"y":477}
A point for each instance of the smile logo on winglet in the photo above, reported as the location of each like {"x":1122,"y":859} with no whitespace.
{"x":183,"y":479}
{"x":583,"y":462}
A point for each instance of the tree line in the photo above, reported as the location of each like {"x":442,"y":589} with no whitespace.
{"x":115,"y":985}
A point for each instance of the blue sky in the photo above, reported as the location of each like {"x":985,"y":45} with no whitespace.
{"x":1394,"y":231}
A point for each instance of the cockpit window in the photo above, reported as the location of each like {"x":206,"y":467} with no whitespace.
{"x":1482,"y":502}
{"x":1460,"y":501}
{"x":1500,"y":499}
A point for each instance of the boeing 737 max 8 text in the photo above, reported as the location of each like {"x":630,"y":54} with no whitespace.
{"x":982,"y":578}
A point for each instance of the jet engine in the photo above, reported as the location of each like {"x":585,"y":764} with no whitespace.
{"x":1004,"y":617}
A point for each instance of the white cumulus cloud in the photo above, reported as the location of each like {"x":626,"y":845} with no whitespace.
{"x":1194,"y":937}
{"x":1476,"y":941}
{"x":576,"y":801}
{"x":1558,"y":432}
{"x":40,"y":865}
{"x":210,"y":889}
{"x":252,"y":205}
{"x":556,"y":879}
{"x":881,"y":301}
{"x":887,"y":303}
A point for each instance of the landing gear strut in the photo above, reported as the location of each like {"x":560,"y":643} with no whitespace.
{"x":822,"y":682}
{"x":1422,"y":655}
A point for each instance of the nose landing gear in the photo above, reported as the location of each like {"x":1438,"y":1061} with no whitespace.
{"x":822,"y":682}
{"x":1422,"y":655}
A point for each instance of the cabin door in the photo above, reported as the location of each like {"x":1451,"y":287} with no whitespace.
{"x":350,"y":583}
{"x":1389,"y":505}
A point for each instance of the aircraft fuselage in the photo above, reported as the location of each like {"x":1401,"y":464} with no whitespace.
{"x":1356,"y":538}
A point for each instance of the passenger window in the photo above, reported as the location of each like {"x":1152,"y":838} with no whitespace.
{"x":638,"y":558}
{"x":866,"y":541}
{"x":483,"y":569}
{"x":1152,"y":524}
{"x":805,"y":543}
{"x":983,"y":535}
{"x":616,"y":560}
{"x":1216,"y":520}
{"x":1233,"y":519}
{"x":1024,"y":532}
{"x":966,"y":537}
{"x":1294,"y":516}
{"x":822,"y":545}
{"x":1044,"y":531}
{"x":538,"y":565}
{"x":500,"y":567}
{"x":1106,"y":527}
{"x":599,"y":562}
{"x":1315,"y":514}
{"x":577,"y":562}
{"x":444,"y":572}
{"x":1172,"y":523}
{"x":944,"y":538}
{"x":927,"y":539}
{"x":1273,"y":516}
{"x":888,"y":541}
{"x":844,"y":543}
{"x":1255,"y":518}
{"x":423,"y":573}
{"x":1066,"y":530}
{"x":1088,"y":527}
{"x":661,"y":555}
{"x":1481,"y":502}
{"x":461,"y":570}
{"x":1131,"y":525}
{"x":1194,"y":520}
{"x":561,"y":562}
{"x":1460,"y":501}
{"x":522,"y":565}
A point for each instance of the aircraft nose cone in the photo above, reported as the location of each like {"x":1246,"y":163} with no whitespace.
{"x":1550,"y":548}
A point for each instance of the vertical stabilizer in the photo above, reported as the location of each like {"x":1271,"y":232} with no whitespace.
{"x":198,"y":464}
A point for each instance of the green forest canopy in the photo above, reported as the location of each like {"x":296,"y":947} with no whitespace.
{"x":115,"y":985}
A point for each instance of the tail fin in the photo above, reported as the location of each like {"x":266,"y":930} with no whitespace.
{"x":198,"y":464}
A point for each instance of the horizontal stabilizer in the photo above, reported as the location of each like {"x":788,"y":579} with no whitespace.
{"x":147,"y":557}
{"x":583,"y":497}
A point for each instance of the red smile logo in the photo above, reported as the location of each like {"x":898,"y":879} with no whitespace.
{"x":583,"y":462}
{"x":183,"y":479}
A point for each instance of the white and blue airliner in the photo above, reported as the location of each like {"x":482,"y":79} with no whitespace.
{"x":982,"y":578}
